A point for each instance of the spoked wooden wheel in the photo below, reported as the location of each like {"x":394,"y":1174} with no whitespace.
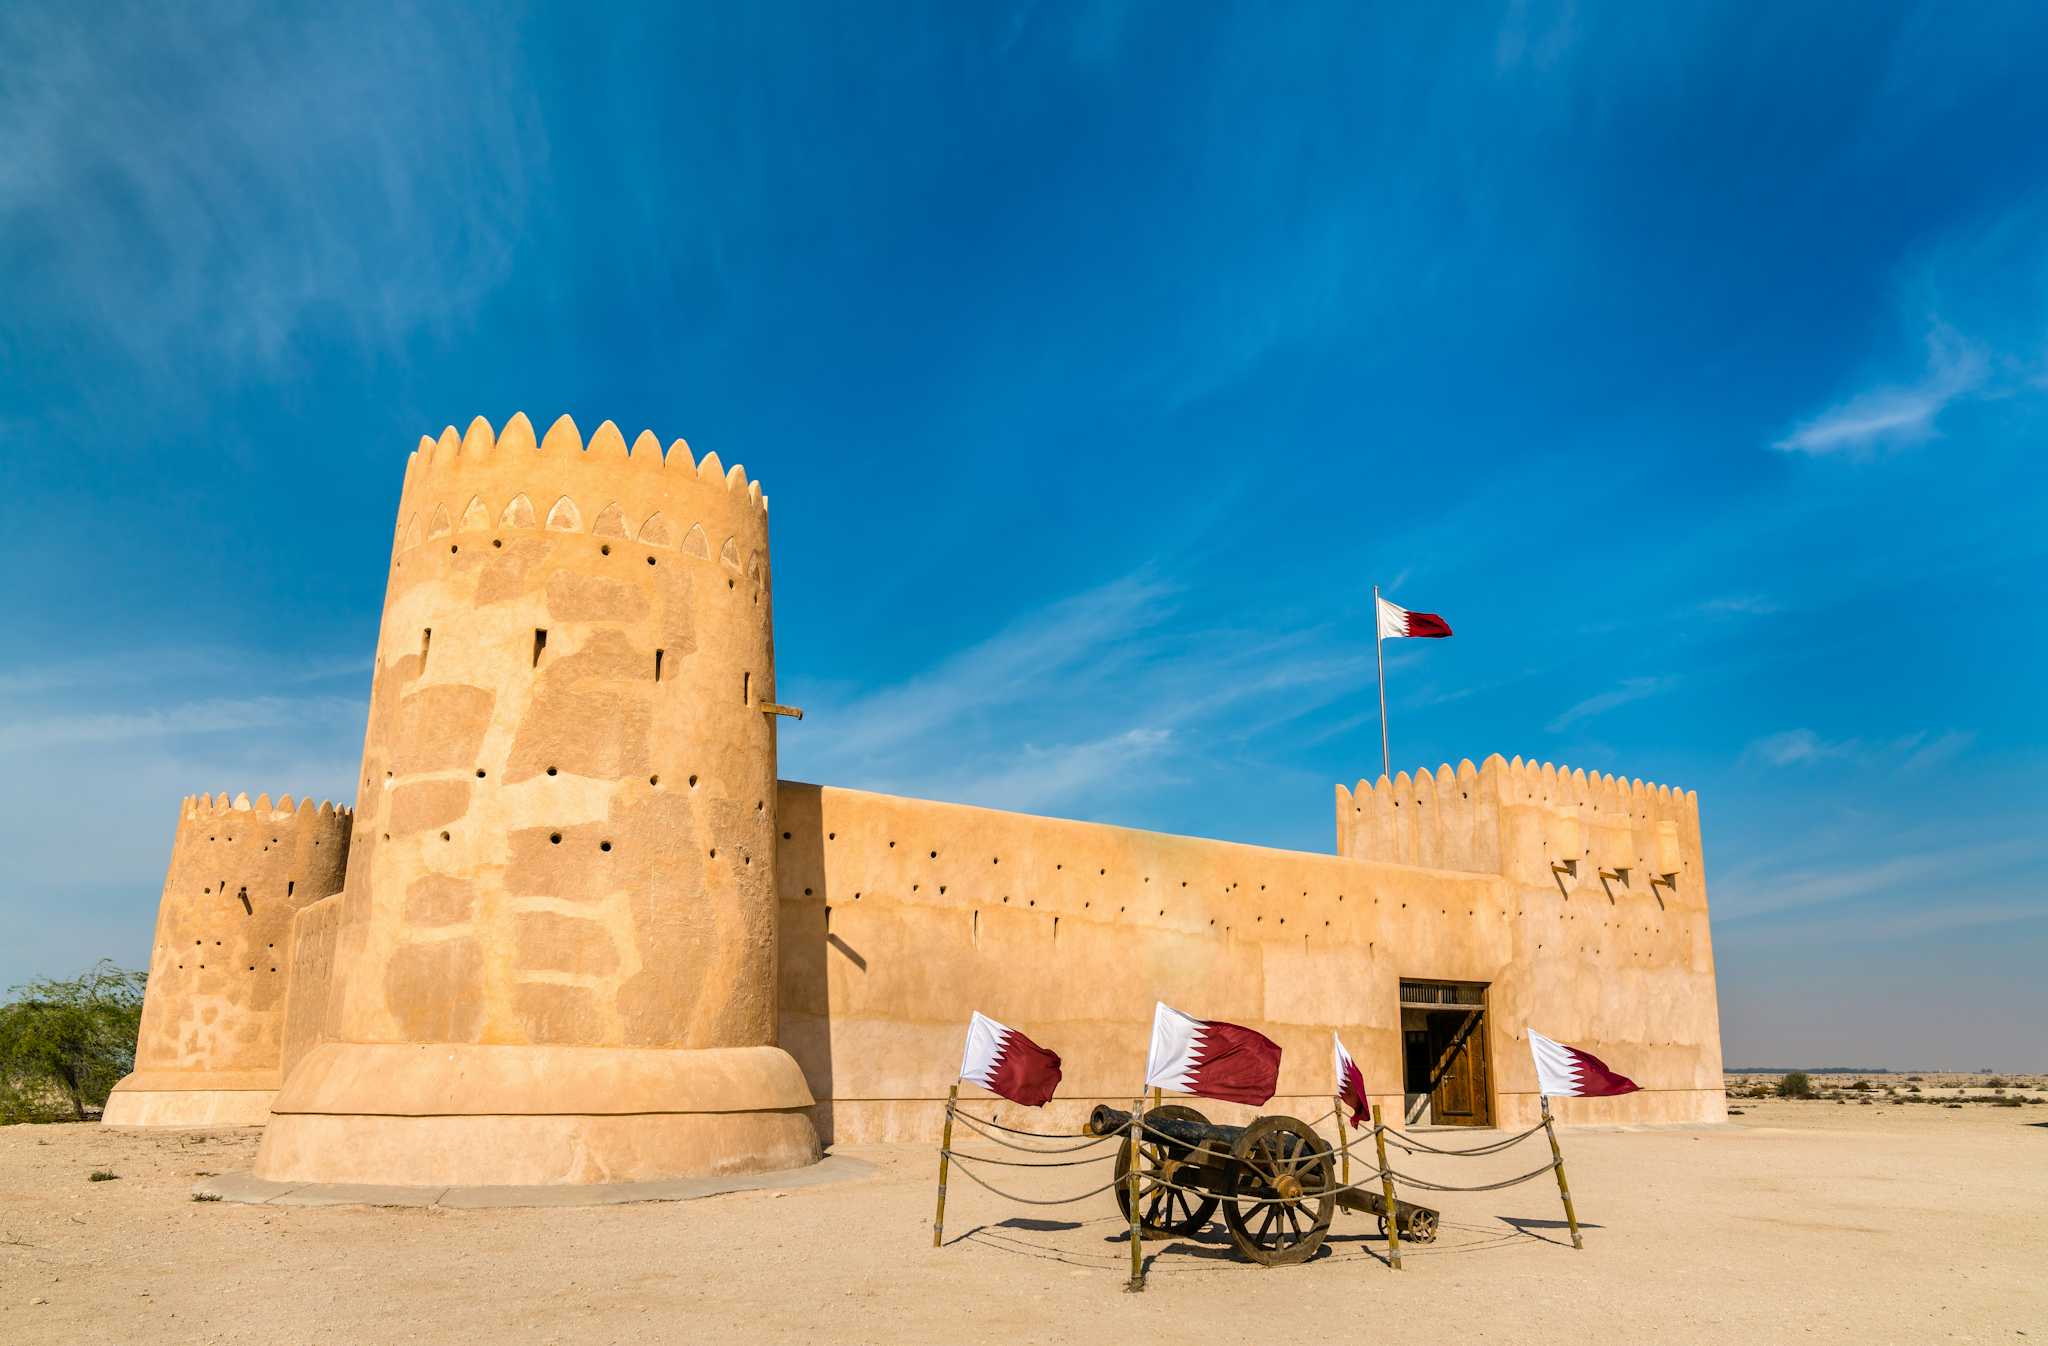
{"x":1278,"y":1207}
{"x":1164,"y":1211}
{"x":1420,"y":1228}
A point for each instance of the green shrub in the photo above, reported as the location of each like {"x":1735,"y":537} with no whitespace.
{"x":1795,"y":1085}
{"x":1861,"y":1086}
{"x":65,"y":1044}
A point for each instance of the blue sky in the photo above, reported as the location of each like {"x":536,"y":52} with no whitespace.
{"x":1097,"y":358}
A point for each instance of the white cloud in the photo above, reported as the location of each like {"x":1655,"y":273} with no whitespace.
{"x":204,"y":183}
{"x":1092,"y":701}
{"x":1923,"y":876}
{"x":1631,"y":689}
{"x":1741,"y":605}
{"x":1896,"y":415}
{"x":1911,"y":752}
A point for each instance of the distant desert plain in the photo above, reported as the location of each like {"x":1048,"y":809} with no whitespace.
{"x":1888,"y":1208}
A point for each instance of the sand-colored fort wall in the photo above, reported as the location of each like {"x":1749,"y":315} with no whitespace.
{"x":554,"y":960}
{"x":211,"y":1045}
{"x":586,"y":935}
{"x":314,"y":929}
{"x":900,"y":916}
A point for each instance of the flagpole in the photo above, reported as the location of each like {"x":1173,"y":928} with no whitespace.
{"x":1380,"y":647}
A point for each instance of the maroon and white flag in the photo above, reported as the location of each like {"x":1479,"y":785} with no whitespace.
{"x":1004,"y":1061}
{"x":1211,"y":1059}
{"x":1396,"y":621}
{"x":1567,"y":1072}
{"x":1351,"y":1085}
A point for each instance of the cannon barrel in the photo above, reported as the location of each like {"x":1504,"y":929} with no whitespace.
{"x":1107,"y":1121}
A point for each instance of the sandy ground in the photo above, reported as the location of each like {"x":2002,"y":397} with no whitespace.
{"x":1798,"y":1221}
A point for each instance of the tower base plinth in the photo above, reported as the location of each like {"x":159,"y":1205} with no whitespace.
{"x":191,"y":1098}
{"x":479,"y":1116}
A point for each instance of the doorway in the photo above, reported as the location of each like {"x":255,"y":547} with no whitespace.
{"x":1447,"y":1067}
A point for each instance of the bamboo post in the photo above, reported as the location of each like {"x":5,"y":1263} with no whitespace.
{"x":1379,"y":1136}
{"x":1158,"y":1095}
{"x":1343,"y":1138}
{"x":1557,"y":1162}
{"x":1137,"y":1216}
{"x":945,"y":1154}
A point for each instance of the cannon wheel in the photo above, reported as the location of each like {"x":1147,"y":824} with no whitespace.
{"x":1421,"y":1227}
{"x":1167,"y":1212}
{"x":1279,"y":1157}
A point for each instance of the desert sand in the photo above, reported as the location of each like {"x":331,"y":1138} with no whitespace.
{"x":1796,"y":1221}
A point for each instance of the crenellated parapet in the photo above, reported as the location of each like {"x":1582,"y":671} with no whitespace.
{"x":477,"y":485}
{"x":1535,"y":823}
{"x":210,"y":1047}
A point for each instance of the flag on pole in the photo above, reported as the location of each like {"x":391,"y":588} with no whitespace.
{"x":1397,"y":621}
{"x":1567,"y":1072}
{"x":1351,"y":1084}
{"x":1211,"y":1059}
{"x":1004,"y":1061}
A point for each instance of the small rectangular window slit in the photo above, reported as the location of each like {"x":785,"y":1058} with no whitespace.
{"x":540,"y":642}
{"x":746,"y":689}
{"x":657,"y":665}
{"x":426,"y":639}
{"x":290,"y":884}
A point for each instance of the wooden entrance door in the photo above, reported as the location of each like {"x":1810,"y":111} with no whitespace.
{"x":1463,"y":1094}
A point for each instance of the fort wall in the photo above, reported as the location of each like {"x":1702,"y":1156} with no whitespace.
{"x":314,"y":929}
{"x":210,"y":1048}
{"x":900,"y":916}
{"x":586,"y":935}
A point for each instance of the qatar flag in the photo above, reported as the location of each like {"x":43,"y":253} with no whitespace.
{"x":1567,"y":1072}
{"x":1004,"y":1061}
{"x":1396,"y":621}
{"x":1351,"y":1085}
{"x":1211,"y":1059}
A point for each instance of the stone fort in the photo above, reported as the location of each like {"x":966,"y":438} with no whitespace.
{"x":576,"y":930}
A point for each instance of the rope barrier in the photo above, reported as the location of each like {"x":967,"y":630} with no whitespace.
{"x":974,"y":1124}
{"x":1028,"y":1201}
{"x":1428,"y":1186}
{"x":1414,"y":1145}
{"x":1018,"y":1163}
{"x":1154,"y":1182}
{"x":1035,"y":1135}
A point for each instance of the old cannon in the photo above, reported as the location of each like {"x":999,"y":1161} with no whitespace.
{"x":1274,"y":1180}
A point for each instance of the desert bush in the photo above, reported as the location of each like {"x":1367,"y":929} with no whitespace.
{"x":1795,"y":1085}
{"x":1995,"y":1083}
{"x":1861,"y":1086}
{"x":65,"y":1044}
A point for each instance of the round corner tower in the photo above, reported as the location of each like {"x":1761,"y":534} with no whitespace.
{"x":212,"y":1036}
{"x":556,"y":960}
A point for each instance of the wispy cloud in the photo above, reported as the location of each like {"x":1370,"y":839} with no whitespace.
{"x":1925,"y":877}
{"x":1631,"y":689}
{"x":1892,"y":415}
{"x":1741,"y":605}
{"x":1096,"y":698}
{"x":218,"y":715}
{"x":204,"y":183}
{"x":1909,"y":752}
